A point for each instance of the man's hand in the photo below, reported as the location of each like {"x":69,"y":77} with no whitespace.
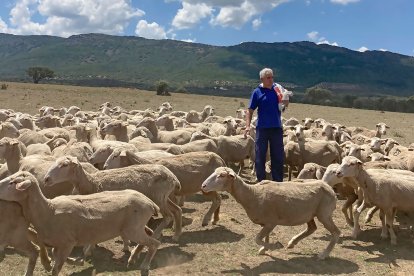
{"x":246,"y":132}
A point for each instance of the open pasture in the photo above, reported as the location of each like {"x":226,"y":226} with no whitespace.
{"x":229,"y":246}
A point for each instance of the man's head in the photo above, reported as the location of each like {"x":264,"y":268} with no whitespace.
{"x":266,"y":76}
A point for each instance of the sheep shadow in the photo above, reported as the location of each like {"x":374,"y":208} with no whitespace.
{"x":104,"y":262}
{"x":217,"y":234}
{"x":298,"y":265}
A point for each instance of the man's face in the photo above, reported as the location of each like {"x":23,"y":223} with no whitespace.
{"x":267,"y":81}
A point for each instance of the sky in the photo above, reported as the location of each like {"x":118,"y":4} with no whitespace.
{"x":360,"y":25}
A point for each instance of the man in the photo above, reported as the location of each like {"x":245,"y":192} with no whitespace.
{"x":270,"y":99}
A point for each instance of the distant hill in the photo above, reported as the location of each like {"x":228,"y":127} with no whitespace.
{"x":97,"y":59}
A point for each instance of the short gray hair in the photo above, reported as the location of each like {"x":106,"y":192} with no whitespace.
{"x":265,"y":72}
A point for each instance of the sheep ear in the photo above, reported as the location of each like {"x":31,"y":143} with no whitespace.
{"x":22,"y":186}
{"x":123,"y":153}
{"x":387,"y":126}
{"x":386,"y":158}
{"x":410,"y":149}
{"x":320,"y":172}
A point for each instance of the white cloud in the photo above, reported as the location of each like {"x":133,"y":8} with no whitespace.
{"x":324,"y":41}
{"x":314,"y":36}
{"x":191,"y":14}
{"x":256,"y":23}
{"x":344,"y":2}
{"x":189,"y":40}
{"x":150,"y":30}
{"x":67,"y":17}
{"x":3,"y":26}
{"x":230,"y":13}
{"x":362,"y":49}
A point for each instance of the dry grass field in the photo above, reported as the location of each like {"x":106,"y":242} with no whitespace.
{"x":228,"y":247}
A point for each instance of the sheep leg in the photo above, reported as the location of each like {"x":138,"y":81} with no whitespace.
{"x":264,"y":233}
{"x":389,"y":220}
{"x":166,"y":219}
{"x":215,"y":205}
{"x":87,"y":250}
{"x":348,"y":203}
{"x":357,"y":213}
{"x":137,"y":249}
{"x":309,"y":230}
{"x":178,"y":216}
{"x":144,"y":239}
{"x":370,"y":214}
{"x":329,"y":224}
{"x":384,"y":230}
{"x":28,"y":249}
{"x":60,"y":254}
{"x":44,"y":257}
{"x":290,"y":172}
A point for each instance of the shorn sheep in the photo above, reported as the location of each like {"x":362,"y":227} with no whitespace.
{"x":68,"y":221}
{"x":270,"y":203}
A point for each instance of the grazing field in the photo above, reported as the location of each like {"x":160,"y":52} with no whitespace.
{"x":228,"y":247}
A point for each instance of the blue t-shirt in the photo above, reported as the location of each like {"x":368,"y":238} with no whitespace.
{"x":266,"y":102}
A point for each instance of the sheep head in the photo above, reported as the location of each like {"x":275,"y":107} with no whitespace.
{"x":220,"y":180}
{"x":13,"y":187}
{"x":349,"y":167}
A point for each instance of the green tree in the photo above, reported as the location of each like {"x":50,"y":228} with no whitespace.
{"x":162,"y":88}
{"x":318,"y":95}
{"x":38,"y":73}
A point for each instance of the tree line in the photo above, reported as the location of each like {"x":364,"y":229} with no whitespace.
{"x":321,"y":96}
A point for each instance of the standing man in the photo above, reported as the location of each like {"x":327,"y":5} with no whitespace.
{"x":269,"y":99}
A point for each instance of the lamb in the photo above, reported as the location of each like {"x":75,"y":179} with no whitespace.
{"x":15,"y":232}
{"x":155,"y":181}
{"x":270,"y":203}
{"x":68,"y":221}
{"x":191,"y":170}
{"x":390,"y":190}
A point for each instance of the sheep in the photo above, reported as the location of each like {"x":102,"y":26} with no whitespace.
{"x":166,"y":122}
{"x":390,"y":190}
{"x":307,"y":122}
{"x":7,"y":129}
{"x":15,"y":232}
{"x":178,"y":137}
{"x":196,"y":117}
{"x":42,"y":149}
{"x":360,"y":151}
{"x":191,"y":169}
{"x":48,"y":121}
{"x":380,"y":129}
{"x":389,"y":145}
{"x":297,"y":154}
{"x":155,"y":181}
{"x":270,"y":203}
{"x":241,"y":113}
{"x":311,"y":171}
{"x":117,"y":129}
{"x":81,"y":150}
{"x":227,"y":128}
{"x":345,"y":186}
{"x":32,"y":137}
{"x":26,"y":121}
{"x":291,"y":122}
{"x":68,"y":221}
{"x":231,"y":148}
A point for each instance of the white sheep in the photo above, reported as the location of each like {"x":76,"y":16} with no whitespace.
{"x":68,"y":221}
{"x":15,"y":232}
{"x":270,"y":204}
{"x":390,"y":190}
{"x":155,"y":181}
{"x":191,"y":169}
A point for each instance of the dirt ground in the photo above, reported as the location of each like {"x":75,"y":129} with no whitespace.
{"x":228,"y":247}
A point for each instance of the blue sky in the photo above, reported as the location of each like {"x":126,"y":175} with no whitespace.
{"x":359,"y":25}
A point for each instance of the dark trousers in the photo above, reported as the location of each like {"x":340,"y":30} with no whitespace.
{"x":274,"y":138}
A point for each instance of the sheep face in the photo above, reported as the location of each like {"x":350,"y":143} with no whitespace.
{"x":349,"y":167}
{"x":63,"y":170}
{"x":330,"y":176}
{"x":308,"y":172}
{"x":13,"y":187}
{"x":114,"y":160}
{"x":220,"y":180}
{"x":100,"y":155}
{"x":382,"y":128}
{"x":9,"y":130}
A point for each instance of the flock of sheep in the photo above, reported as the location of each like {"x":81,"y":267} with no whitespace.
{"x":70,"y":178}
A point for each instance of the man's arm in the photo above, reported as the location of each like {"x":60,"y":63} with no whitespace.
{"x":249,"y":115}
